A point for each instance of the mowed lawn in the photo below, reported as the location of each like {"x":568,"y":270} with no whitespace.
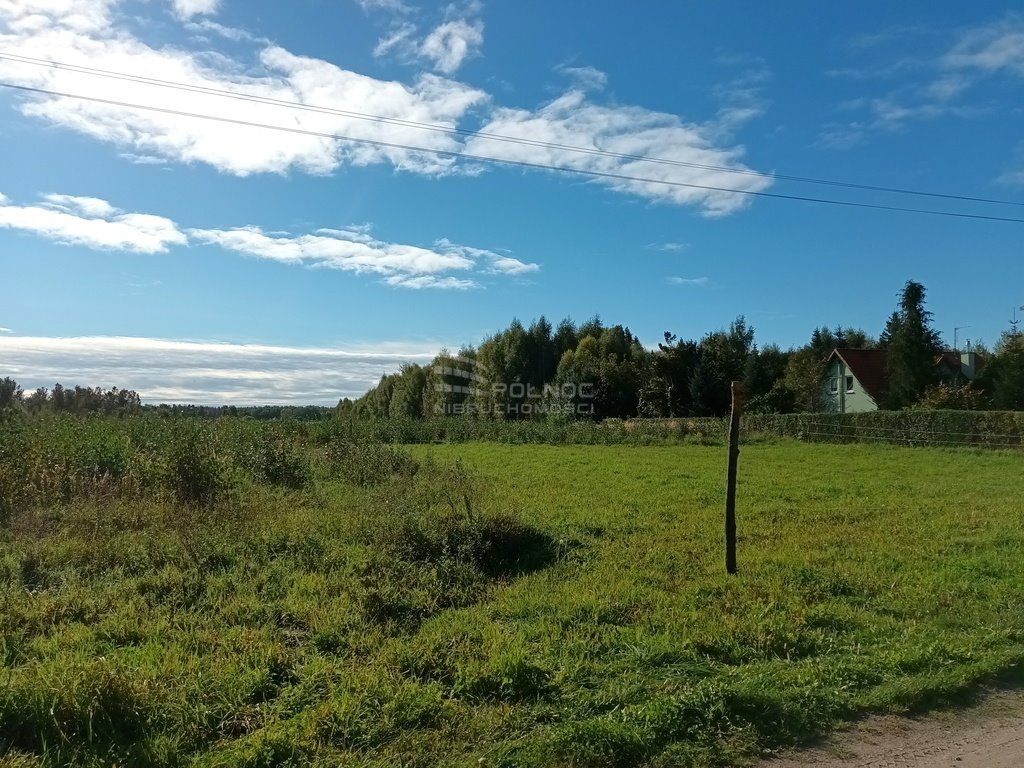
{"x":284,"y":631}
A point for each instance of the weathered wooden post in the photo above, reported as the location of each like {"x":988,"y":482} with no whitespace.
{"x":730,"y":491}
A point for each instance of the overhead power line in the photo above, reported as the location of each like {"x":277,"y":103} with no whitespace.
{"x":504,"y":161}
{"x":268,"y":100}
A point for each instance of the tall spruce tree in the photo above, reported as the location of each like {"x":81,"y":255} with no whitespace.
{"x":913,"y":346}
{"x":1007,"y":372}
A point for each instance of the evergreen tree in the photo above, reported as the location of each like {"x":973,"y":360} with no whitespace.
{"x":1006,"y":372}
{"x":764,"y":367}
{"x":892,"y":326}
{"x":709,"y":388}
{"x":668,"y":392}
{"x":10,"y":395}
{"x":913,"y":347}
{"x":566,"y":338}
{"x":407,"y":396}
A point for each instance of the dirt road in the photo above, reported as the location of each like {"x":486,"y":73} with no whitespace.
{"x":990,"y":735}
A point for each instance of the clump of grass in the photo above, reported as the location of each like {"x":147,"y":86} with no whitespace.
{"x":437,"y":546}
{"x":398,"y":596}
{"x":475,"y":659}
{"x":80,"y":711}
{"x":437,"y":516}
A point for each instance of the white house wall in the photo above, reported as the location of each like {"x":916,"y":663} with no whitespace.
{"x":841,"y":401}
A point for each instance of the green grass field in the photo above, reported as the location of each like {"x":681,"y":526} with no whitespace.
{"x":512,"y":605}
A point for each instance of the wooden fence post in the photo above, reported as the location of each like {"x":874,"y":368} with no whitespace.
{"x":730,"y":490}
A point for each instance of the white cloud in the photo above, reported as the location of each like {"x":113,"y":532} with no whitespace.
{"x":92,"y":207}
{"x":389,"y":6}
{"x":669,"y":247}
{"x":164,"y":370}
{"x":6,"y":330}
{"x":506,"y":265}
{"x":741,"y":95}
{"x":186,"y":9}
{"x":445,"y":47}
{"x":399,"y":37}
{"x":990,"y":48}
{"x":937,"y":87}
{"x":700,"y":282}
{"x":585,"y":78}
{"x":334,"y":250}
{"x":229,"y":33}
{"x":354,"y":250}
{"x":26,"y":17}
{"x":498,"y":263}
{"x":231,"y":148}
{"x":1013,"y":176}
{"x":153,"y":137}
{"x":574,"y":120}
{"x":451,"y":43}
{"x":430,"y":281}
{"x":93,"y":223}
{"x":947,"y":87}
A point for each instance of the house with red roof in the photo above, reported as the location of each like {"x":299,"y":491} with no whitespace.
{"x":856,"y":380}
{"x":958,"y":367}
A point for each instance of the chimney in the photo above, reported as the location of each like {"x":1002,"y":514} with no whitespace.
{"x":969,"y":365}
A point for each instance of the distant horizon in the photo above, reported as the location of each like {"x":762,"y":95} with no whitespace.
{"x":251,"y":359}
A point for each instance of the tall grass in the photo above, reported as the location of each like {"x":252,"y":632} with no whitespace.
{"x":60,"y":459}
{"x":177,"y":593}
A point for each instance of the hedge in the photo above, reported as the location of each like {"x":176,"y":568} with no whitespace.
{"x":999,"y":429}
{"x":909,"y":427}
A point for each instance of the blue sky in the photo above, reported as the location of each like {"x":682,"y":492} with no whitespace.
{"x":205,"y":261}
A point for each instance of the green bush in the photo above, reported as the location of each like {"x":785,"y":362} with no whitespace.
{"x":193,"y":474}
{"x":367,"y":464}
{"x":270,"y":460}
{"x":14,"y":486}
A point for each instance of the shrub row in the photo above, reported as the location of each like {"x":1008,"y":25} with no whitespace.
{"x":550,"y":431}
{"x":907,"y":427}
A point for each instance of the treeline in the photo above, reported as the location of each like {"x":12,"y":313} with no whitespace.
{"x":596,"y":371}
{"x":67,"y":400}
{"x":256,"y":412}
{"x":600,"y":372}
{"x":120,"y":402}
